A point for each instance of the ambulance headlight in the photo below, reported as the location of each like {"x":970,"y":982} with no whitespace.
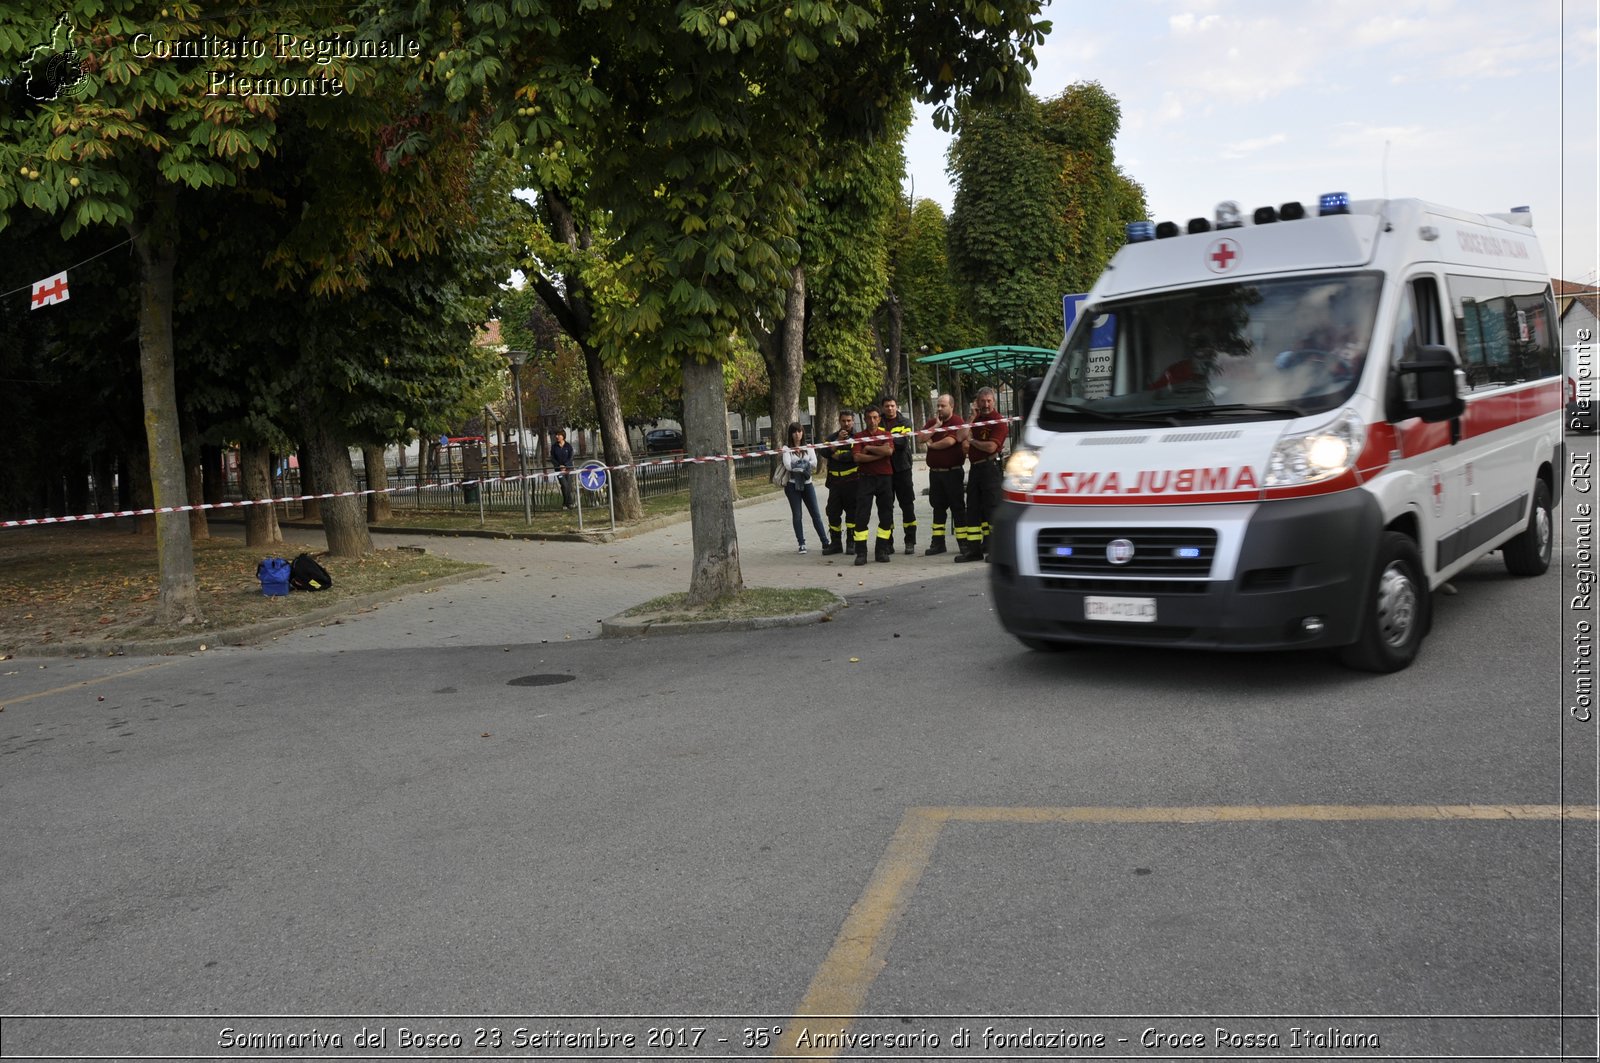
{"x":1317,"y":455}
{"x":1021,"y":468}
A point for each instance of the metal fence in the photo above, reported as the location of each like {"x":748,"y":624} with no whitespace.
{"x":453,"y":489}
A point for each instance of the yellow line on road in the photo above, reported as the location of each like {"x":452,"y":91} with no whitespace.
{"x":5,"y":701}
{"x":859,"y":952}
{"x":1259,"y":813}
{"x":839,"y":989}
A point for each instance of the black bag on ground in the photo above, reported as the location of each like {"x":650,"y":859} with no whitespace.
{"x":306,"y":575}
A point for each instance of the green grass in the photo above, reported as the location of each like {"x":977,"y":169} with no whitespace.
{"x":750,"y":603}
{"x":97,"y":584}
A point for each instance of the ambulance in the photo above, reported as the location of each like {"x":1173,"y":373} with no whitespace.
{"x":1285,"y":431}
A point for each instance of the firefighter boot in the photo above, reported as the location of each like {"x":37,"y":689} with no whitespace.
{"x":936,"y":548}
{"x":861,"y":553}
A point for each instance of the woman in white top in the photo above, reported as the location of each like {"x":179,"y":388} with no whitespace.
{"x":799,"y":463}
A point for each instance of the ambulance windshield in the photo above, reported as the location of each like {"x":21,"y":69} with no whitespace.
{"x":1269,"y":348}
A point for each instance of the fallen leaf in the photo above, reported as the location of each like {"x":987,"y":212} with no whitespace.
{"x":855,"y":660}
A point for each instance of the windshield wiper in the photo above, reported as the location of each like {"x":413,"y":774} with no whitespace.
{"x":1115,"y":416}
{"x":1239,"y":407}
{"x":1069,"y":409}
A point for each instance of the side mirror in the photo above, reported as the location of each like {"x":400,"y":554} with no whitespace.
{"x":1430,"y":387}
{"x":1030,"y":394}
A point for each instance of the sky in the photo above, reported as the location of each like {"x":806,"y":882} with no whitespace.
{"x":1482,"y":105}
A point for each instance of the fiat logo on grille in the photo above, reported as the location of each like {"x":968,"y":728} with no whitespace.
{"x":1119,"y":551}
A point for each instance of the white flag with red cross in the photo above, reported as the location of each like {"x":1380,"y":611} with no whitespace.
{"x":50,"y":290}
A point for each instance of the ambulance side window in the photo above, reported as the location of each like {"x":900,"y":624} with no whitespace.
{"x":1504,"y":330}
{"x":1417,"y":323}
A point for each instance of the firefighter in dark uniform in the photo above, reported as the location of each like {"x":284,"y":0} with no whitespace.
{"x":839,"y":453}
{"x":985,"y":444}
{"x":898,"y":425}
{"x":945,"y":458}
{"x":875,"y":471}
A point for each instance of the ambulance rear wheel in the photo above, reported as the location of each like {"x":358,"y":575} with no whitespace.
{"x":1394,"y":612}
{"x":1529,"y":553}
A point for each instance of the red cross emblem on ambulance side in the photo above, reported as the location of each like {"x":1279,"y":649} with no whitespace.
{"x":1222,"y":256}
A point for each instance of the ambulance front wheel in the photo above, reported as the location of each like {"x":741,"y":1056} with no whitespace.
{"x":1529,"y":553}
{"x":1395,"y":610}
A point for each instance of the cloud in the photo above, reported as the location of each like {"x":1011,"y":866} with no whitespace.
{"x":1388,"y":29}
{"x":1242,"y":148}
{"x":1187,"y":23}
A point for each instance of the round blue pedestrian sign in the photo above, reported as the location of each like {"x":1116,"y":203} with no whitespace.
{"x":592,"y":477}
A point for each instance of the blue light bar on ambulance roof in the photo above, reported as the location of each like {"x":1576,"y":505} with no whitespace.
{"x":1140,"y":231}
{"x":1333,"y":203}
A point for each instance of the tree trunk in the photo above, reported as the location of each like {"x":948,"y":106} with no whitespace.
{"x":194,"y":473}
{"x":78,"y":488}
{"x":571,"y":308}
{"x":378,"y":507}
{"x":614,"y":437}
{"x":310,"y":508}
{"x":891,"y":342}
{"x":255,"y":482}
{"x":784,"y":352}
{"x":155,"y":240}
{"x":716,"y":540}
{"x":827,"y":421}
{"x":343,"y":518}
{"x":216,"y":473}
{"x":100,"y":467}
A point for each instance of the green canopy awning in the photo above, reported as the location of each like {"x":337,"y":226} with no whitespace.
{"x":991,"y":361}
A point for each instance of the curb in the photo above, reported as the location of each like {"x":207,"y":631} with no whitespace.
{"x":245,"y":635}
{"x":622,"y":626}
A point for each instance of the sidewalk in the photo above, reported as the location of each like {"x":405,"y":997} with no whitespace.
{"x":558,"y":591}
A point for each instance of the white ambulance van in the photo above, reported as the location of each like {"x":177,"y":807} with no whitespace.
{"x":1285,"y":431}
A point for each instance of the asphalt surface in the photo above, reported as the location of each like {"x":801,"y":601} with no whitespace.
{"x":462,"y":812}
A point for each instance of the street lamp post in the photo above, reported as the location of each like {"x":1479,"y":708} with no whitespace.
{"x":517,"y":359}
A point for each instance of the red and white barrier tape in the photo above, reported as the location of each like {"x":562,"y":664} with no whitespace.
{"x":536,"y":477}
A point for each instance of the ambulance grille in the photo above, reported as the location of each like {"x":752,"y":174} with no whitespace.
{"x":1111,"y":441}
{"x":1156,"y":551}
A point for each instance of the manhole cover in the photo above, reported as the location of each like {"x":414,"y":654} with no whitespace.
{"x":547,"y":680}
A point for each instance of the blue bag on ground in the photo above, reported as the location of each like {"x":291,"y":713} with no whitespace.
{"x":273,"y":572}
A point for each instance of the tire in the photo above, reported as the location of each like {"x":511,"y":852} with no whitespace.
{"x":1395,"y":610}
{"x":1529,"y":553}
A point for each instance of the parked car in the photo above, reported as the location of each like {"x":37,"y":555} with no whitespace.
{"x":662,"y":440}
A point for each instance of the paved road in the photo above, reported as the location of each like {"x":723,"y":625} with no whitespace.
{"x":895,"y":814}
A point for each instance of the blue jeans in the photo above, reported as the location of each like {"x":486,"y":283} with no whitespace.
{"x":795,"y":493}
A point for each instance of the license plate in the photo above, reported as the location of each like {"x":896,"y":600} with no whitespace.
{"x":1120,"y":610}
